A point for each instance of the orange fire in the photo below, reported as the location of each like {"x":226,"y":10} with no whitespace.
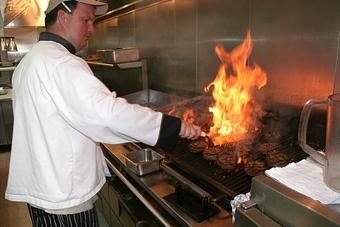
{"x":239,"y":160}
{"x":189,"y":116}
{"x":233,"y":93}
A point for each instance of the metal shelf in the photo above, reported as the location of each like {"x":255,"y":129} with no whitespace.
{"x":7,"y":68}
{"x":99,"y":63}
{"x":125,"y":65}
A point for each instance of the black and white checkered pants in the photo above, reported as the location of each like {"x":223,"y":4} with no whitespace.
{"x":40,"y":218}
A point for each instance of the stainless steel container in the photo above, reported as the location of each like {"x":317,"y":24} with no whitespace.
{"x":120,"y":55}
{"x":143,"y":161}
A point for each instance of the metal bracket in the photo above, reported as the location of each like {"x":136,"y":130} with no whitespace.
{"x":248,"y":204}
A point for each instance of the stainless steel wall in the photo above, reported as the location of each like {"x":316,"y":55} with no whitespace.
{"x":295,"y":42}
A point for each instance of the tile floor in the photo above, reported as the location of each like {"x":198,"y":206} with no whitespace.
{"x":14,"y":214}
{"x":11,"y":214}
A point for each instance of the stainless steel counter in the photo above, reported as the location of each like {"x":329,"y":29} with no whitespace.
{"x":273,"y":204}
{"x":7,"y":68}
{"x":159,"y":185}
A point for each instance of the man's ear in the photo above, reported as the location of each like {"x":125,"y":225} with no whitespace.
{"x":61,"y":18}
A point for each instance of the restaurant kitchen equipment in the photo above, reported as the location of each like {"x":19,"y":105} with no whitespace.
{"x":7,"y":46}
{"x":195,"y":191}
{"x":273,"y":204}
{"x":143,"y":162}
{"x":330,"y":159}
{"x":247,"y":136}
{"x":119,"y":55}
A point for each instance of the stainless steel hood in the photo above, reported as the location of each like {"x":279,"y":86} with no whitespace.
{"x":18,"y":13}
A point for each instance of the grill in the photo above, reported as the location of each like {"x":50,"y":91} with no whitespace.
{"x":210,"y":176}
{"x":197,"y":191}
{"x":280,"y":119}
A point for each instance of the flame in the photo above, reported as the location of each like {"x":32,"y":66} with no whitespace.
{"x":189,"y":116}
{"x":233,"y":93}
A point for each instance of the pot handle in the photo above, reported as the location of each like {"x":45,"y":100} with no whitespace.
{"x":318,"y":156}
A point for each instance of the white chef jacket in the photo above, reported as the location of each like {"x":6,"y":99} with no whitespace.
{"x":61,"y":113}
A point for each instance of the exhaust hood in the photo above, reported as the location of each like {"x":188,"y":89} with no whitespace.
{"x":17,"y":13}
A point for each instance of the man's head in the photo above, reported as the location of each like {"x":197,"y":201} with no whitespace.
{"x":73,"y":19}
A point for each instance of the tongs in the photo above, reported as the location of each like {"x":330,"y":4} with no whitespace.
{"x":210,"y":142}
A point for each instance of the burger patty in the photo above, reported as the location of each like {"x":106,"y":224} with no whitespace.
{"x":226,"y":160}
{"x":266,"y":148}
{"x":277,"y":159}
{"x":255,"y":167}
{"x":198,"y":145}
{"x":210,"y":153}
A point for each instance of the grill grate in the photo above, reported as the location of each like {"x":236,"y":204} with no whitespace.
{"x":209,"y":175}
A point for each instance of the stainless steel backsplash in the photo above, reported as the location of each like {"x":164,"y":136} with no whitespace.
{"x":295,"y":42}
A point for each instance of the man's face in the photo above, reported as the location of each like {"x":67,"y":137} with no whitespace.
{"x":79,"y":25}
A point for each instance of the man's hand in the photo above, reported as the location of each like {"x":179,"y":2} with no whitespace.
{"x":189,"y":131}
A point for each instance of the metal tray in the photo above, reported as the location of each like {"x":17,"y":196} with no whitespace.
{"x":119,"y":55}
{"x":143,"y":162}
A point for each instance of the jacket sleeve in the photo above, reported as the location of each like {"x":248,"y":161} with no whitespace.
{"x":169,"y":132}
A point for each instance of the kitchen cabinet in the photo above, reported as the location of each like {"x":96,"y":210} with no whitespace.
{"x":3,"y":138}
{"x":6,"y":75}
{"x":121,"y":208}
{"x":6,"y":122}
{"x":6,"y":110}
